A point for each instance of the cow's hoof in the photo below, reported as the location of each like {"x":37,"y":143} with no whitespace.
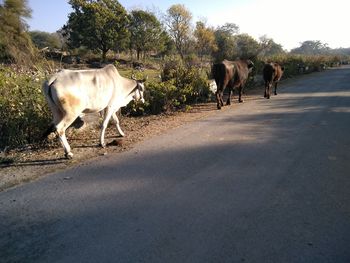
{"x":241,"y":101}
{"x":219,"y":107}
{"x":103,"y":145}
{"x":69,"y":155}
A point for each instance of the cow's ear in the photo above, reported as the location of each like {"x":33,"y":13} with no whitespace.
{"x":133,"y":77}
{"x":144,"y":79}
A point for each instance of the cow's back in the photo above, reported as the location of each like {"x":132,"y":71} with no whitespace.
{"x":85,"y":90}
{"x":223,"y":72}
{"x":241,"y":72}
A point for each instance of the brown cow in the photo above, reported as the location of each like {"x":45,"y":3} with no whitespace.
{"x":272,"y":73}
{"x":231,"y":74}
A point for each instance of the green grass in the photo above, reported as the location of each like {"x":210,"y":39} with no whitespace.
{"x":153,"y":75}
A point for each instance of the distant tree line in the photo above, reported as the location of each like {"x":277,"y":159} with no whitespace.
{"x":105,"y":25}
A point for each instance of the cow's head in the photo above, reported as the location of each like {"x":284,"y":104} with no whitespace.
{"x":139,"y":90}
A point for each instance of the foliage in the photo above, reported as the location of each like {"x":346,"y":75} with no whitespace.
{"x":182,"y":84}
{"x":146,"y":32}
{"x":268,"y":47}
{"x":23,"y":112}
{"x":178,"y":22}
{"x":246,"y":47}
{"x":15,"y":43}
{"x":97,"y":24}
{"x":311,"y":47}
{"x":205,"y":40}
{"x":44,"y":39}
{"x":224,"y":37}
{"x":301,"y":64}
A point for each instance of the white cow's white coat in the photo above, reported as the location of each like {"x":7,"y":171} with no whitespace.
{"x":71,"y":93}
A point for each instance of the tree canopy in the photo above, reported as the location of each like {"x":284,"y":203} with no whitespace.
{"x":44,"y":39}
{"x":146,"y":32}
{"x":269,"y":47}
{"x":97,"y":24}
{"x":178,"y":21}
{"x":205,"y":39}
{"x":15,"y":43}
{"x":311,"y":47}
{"x":224,"y":37}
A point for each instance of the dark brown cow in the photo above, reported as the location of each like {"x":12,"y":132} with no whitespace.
{"x":272,"y":73}
{"x":231,"y":74}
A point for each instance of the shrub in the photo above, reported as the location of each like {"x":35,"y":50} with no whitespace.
{"x":23,"y":112}
{"x":181,"y":84}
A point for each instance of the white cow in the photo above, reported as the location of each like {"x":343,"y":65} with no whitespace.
{"x":71,"y":93}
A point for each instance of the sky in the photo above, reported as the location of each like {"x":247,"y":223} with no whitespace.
{"x":287,"y":22}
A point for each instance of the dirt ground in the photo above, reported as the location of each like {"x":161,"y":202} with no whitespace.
{"x":31,"y":163}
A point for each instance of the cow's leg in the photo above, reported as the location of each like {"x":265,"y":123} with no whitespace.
{"x":108,"y":114}
{"x":266,"y":89}
{"x":228,"y":102}
{"x":240,"y":90}
{"x":50,"y":129}
{"x":276,"y":88}
{"x":61,"y":128}
{"x":115,"y":118}
{"x":57,"y":117}
{"x":222,"y":98}
{"x":218,"y":99}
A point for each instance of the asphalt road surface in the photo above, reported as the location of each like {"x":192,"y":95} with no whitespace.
{"x":262,"y":181}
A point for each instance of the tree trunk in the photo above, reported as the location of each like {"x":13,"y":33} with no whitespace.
{"x":104,"y":54}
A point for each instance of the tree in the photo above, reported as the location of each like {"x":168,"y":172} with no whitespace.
{"x":311,"y":47}
{"x":15,"y":43}
{"x":224,"y":37}
{"x":268,"y":47}
{"x":97,"y":24}
{"x":44,"y":39}
{"x":205,"y":39}
{"x":246,"y":47}
{"x":169,"y":45}
{"x":178,"y":21}
{"x":146,"y":32}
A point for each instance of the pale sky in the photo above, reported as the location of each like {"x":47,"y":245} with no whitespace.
{"x":287,"y":22}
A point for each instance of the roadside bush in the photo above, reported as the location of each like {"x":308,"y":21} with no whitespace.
{"x":181,"y":84}
{"x":23,"y":112}
{"x":301,"y":64}
{"x":190,"y":80}
{"x":161,"y":97}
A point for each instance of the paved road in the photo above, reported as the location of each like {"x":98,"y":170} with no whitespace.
{"x":262,"y":181}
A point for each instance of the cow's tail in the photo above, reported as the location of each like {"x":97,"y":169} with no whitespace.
{"x":47,"y":91}
{"x":48,"y":95}
{"x":268,"y":73}
{"x":218,"y":73}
